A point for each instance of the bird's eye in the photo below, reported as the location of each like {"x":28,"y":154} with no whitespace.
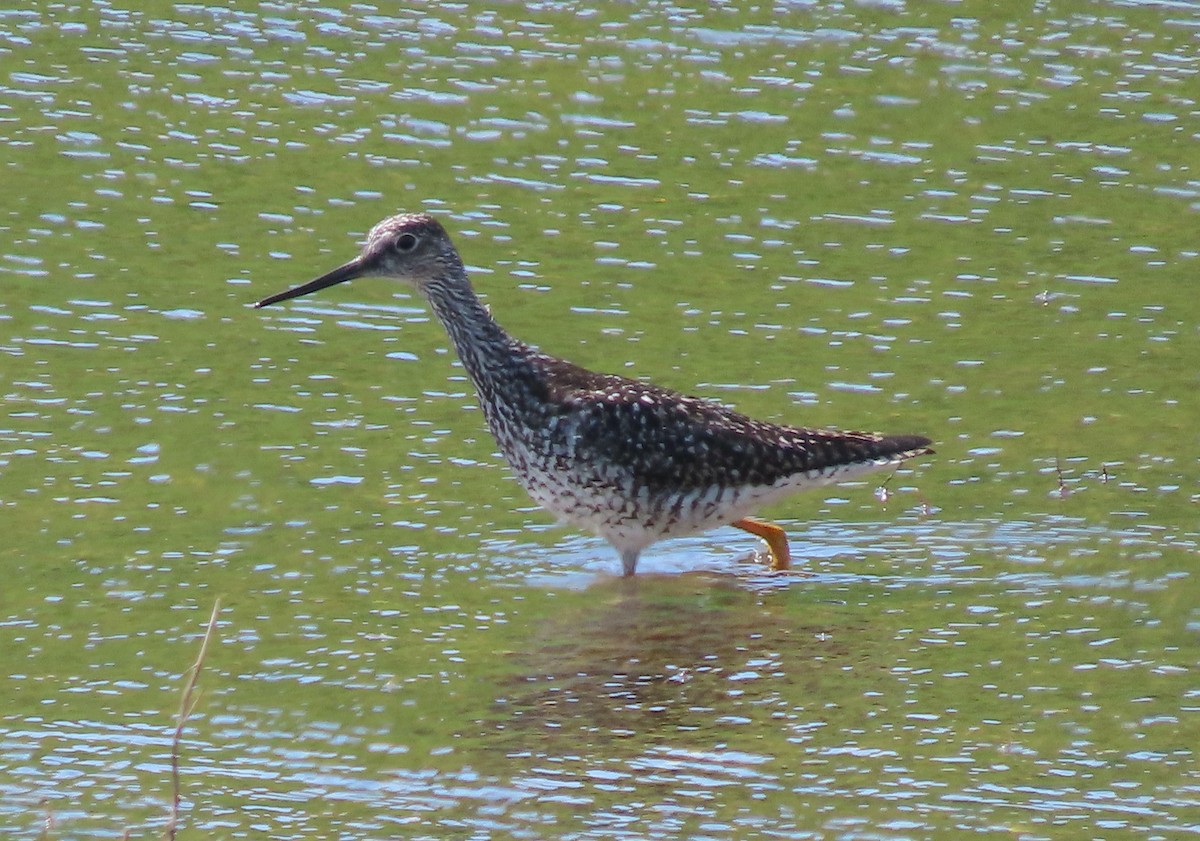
{"x":406,"y":242}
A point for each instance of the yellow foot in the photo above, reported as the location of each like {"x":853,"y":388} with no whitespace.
{"x":775,"y":537}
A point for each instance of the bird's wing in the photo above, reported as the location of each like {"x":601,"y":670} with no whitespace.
{"x":672,"y":441}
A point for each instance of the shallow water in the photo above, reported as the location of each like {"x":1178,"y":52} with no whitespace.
{"x":885,"y":216}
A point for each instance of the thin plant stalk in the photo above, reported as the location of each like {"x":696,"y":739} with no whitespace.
{"x":186,"y":706}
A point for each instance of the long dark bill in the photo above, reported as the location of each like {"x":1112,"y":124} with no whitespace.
{"x":341,"y":274}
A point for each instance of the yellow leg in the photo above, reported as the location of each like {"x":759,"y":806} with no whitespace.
{"x":775,"y":537}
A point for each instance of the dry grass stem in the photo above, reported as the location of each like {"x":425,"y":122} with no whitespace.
{"x":186,"y":706}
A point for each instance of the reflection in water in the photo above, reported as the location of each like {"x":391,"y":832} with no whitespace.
{"x":681,"y":705}
{"x":664,"y":653}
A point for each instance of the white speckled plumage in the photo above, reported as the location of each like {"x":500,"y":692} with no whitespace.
{"x":625,"y":459}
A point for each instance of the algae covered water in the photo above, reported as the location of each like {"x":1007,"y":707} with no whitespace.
{"x":903,"y":217}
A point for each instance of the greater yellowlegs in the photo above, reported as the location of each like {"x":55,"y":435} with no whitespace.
{"x":630,"y":461}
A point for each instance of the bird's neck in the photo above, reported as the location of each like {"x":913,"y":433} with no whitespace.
{"x":485,"y":348}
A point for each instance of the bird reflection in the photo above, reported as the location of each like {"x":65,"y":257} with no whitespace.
{"x":670,"y":651}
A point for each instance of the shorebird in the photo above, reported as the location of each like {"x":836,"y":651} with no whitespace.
{"x":628,"y":460}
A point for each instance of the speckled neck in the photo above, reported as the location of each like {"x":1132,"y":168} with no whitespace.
{"x":488,"y":352}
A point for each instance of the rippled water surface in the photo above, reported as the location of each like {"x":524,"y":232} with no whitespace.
{"x":911,"y":217}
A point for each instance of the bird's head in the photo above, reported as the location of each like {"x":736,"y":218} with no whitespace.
{"x":412,"y":247}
